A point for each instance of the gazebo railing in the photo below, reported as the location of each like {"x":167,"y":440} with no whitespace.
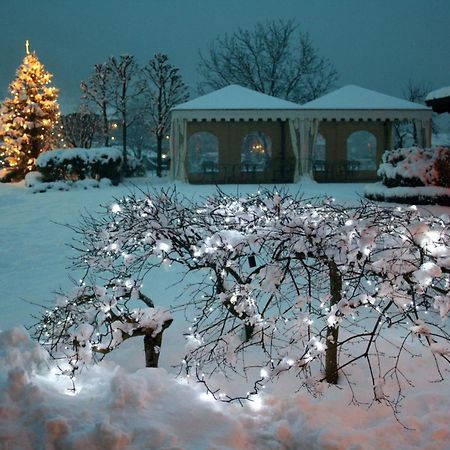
{"x":342,"y":171}
{"x":243,"y":173}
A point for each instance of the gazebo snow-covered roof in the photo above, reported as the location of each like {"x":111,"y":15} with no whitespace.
{"x":357,"y":103}
{"x":439,"y":100}
{"x":236,"y":103}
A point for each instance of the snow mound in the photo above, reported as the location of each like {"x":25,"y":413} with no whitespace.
{"x":419,"y":195}
{"x":110,"y":410}
{"x":149,"y":409}
{"x":33,"y":181}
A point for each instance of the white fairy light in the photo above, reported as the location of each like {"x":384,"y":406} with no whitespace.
{"x":116,"y":208}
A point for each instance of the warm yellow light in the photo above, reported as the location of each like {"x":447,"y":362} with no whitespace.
{"x":258,"y":148}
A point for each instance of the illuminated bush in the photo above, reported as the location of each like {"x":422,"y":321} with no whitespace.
{"x":280,"y":285}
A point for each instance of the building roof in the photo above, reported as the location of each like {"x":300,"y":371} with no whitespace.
{"x":235,"y":97}
{"x":439,"y":93}
{"x":355,"y":97}
{"x":357,"y":103}
{"x":439,"y":100}
{"x":236,"y":103}
{"x":347,"y":103}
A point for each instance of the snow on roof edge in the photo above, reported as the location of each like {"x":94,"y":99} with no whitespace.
{"x":235,"y":97}
{"x":352,"y":97}
{"x":439,"y":93}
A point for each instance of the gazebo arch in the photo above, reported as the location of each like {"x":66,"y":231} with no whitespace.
{"x":362,"y":151}
{"x":202,"y":152}
{"x":256,"y":152}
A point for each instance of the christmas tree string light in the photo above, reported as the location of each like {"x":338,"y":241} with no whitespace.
{"x":28,"y":118}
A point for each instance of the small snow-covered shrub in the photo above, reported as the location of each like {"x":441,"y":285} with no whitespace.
{"x":79,"y":163}
{"x":106,"y":163}
{"x":416,"y":166}
{"x":443,"y":166}
{"x":136,"y":165}
{"x":32,"y":179}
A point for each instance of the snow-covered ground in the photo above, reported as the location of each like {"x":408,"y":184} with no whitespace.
{"x":121,"y":406}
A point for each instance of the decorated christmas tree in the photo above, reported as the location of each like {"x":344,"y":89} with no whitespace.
{"x":28,"y":118}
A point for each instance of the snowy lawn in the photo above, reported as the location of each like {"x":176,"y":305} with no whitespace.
{"x":121,"y":406}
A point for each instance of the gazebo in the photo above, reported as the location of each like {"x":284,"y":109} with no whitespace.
{"x":349,"y":129}
{"x":439,"y":100}
{"x":236,"y":135}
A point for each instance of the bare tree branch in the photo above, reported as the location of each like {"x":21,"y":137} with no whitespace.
{"x":273,"y":58}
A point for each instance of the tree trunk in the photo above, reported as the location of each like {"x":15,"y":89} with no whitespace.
{"x":124,"y":144}
{"x":152,"y":347}
{"x":159,"y":155}
{"x":105,"y":124}
{"x":331,"y":356}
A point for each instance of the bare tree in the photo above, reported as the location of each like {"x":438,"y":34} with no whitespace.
{"x":164,"y":89}
{"x":80,"y":128}
{"x":416,"y":91}
{"x":279,"y":285}
{"x":273,"y":58}
{"x":96,"y":94}
{"x":139,"y":135}
{"x":126,"y":87}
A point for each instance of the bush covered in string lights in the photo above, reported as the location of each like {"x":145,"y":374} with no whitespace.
{"x":278,"y":285}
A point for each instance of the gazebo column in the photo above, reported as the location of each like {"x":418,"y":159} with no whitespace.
{"x":389,"y":134}
{"x":303,"y":136}
{"x":178,"y":149}
{"x":294,"y":125}
{"x":423,"y":130}
{"x":308,"y":137}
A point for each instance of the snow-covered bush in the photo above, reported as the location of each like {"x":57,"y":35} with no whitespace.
{"x":35,"y":183}
{"x":283,"y":285}
{"x":136,"y":164}
{"x":416,"y":167}
{"x":413,"y":175}
{"x":79,"y":163}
